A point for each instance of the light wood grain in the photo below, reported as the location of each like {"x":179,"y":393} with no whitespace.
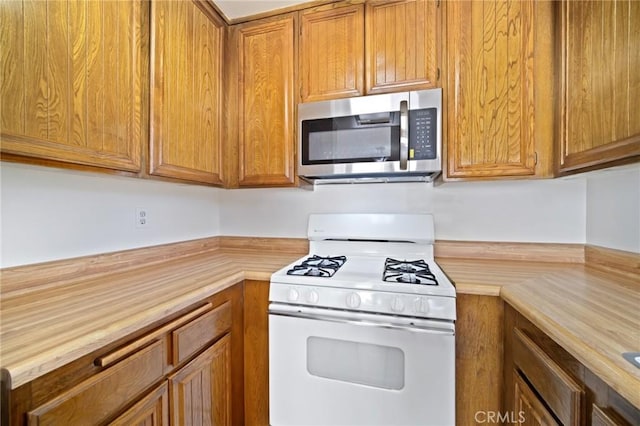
{"x":186,"y":98}
{"x":282,"y":245}
{"x":200,"y":392}
{"x":332,"y":51}
{"x":532,"y":252}
{"x":495,"y":125}
{"x":599,"y":113}
{"x":21,"y":279}
{"x":593,"y":316}
{"x":72,"y":91}
{"x":611,"y":260}
{"x":266,"y":56}
{"x":401,"y":45}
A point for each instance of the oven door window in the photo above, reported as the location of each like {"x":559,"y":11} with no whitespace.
{"x":356,"y":362}
{"x":352,"y":139}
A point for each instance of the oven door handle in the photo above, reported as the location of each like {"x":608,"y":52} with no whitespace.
{"x":363,"y":319}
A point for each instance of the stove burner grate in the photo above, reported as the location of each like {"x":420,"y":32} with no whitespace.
{"x":318,"y":266}
{"x":408,"y":271}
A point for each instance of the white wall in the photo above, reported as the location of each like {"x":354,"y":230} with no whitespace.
{"x":534,"y":211}
{"x":49,"y":214}
{"x":613,"y":208}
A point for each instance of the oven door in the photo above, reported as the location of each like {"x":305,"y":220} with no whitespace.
{"x":330,"y":367}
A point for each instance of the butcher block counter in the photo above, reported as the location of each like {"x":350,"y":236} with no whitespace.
{"x":45,"y":324}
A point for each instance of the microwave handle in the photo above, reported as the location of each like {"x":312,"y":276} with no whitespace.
{"x":404,"y":134}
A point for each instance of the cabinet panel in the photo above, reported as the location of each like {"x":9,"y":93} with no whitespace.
{"x":73,"y":81}
{"x":193,"y":336}
{"x":266,"y":133}
{"x":332,"y":52}
{"x":600,"y":119}
{"x":152,"y":410}
{"x":130,"y":377}
{"x":561,"y":393}
{"x":401,"y":45}
{"x":201,"y":391}
{"x":529,"y":410}
{"x":186,"y":75}
{"x":498,"y":105}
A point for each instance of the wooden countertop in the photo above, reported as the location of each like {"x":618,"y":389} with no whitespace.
{"x":47,"y":328}
{"x":593,"y":315}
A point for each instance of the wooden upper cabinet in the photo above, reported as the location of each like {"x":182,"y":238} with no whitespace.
{"x":401,"y":45}
{"x":73,"y":81}
{"x":266,"y":101}
{"x":600,"y":83}
{"x":332,"y":52}
{"x":499,"y":90}
{"x":187,"y":41}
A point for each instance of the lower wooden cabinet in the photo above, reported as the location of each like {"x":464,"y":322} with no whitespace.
{"x":545,"y":385}
{"x":200,"y":391}
{"x":529,"y":409}
{"x":185,"y":370}
{"x":152,"y":410}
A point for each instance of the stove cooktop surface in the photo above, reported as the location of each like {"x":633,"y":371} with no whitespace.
{"x":368,"y":272}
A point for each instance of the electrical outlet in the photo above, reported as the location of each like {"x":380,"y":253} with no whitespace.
{"x":142,"y":218}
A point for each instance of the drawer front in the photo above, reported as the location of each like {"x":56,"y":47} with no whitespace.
{"x":105,"y":394}
{"x":559,"y":391}
{"x":191,"y":337}
{"x":606,"y":417}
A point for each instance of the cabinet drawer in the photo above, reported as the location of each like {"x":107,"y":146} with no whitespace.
{"x":558,"y":390}
{"x":606,"y":417}
{"x":191,"y":337}
{"x":105,"y":394}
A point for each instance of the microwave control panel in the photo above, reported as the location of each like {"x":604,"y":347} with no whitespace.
{"x":423,"y":134}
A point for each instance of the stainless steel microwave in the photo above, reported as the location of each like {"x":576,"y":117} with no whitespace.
{"x":377,"y":138}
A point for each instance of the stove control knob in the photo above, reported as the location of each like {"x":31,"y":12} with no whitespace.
{"x":293,"y":295}
{"x":422,"y":306}
{"x":313,"y":297}
{"x":353,"y":300}
{"x":397,"y":305}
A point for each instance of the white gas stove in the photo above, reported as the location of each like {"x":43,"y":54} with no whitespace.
{"x":371,"y":263}
{"x":363,"y":326}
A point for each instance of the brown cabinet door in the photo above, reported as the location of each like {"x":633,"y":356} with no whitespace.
{"x":266,"y":101}
{"x":200,"y":392}
{"x":600,"y":84}
{"x":187,"y":42}
{"x":401,"y":45}
{"x":529,"y":410}
{"x":152,"y":410}
{"x":73,"y":81}
{"x":107,"y":393}
{"x":499,"y":87}
{"x":332,"y":52}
